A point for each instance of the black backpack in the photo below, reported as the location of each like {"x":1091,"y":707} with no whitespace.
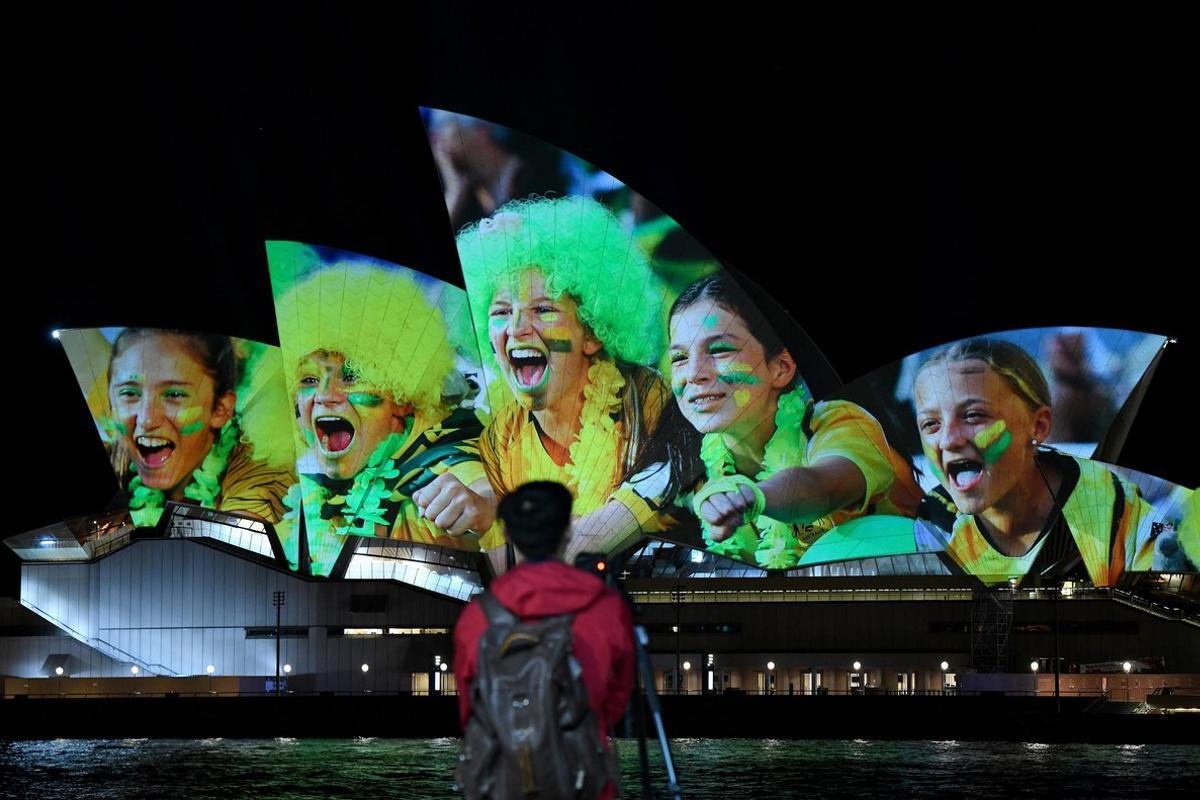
{"x":531,"y":732}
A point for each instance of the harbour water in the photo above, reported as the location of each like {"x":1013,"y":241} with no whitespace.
{"x":299,"y":769}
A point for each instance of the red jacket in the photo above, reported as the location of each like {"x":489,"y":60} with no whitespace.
{"x":602,"y":631}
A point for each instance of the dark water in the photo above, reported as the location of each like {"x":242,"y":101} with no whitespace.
{"x":708,"y":768}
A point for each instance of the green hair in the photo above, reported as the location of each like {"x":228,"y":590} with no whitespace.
{"x":379,"y":321}
{"x":584,"y":252}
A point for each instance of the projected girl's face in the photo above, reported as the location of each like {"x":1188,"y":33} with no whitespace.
{"x":976,"y":431}
{"x":542,"y":346}
{"x":720,"y":374}
{"x":163,"y":402}
{"x":342,"y":418}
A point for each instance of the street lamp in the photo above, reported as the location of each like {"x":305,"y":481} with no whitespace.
{"x":366,"y":668}
{"x":1033,"y":666}
{"x":1128,"y":668}
{"x":287,"y":669}
{"x":279,"y":600}
{"x":210,"y":669}
{"x":945,"y":665}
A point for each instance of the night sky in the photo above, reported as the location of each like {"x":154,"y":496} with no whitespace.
{"x":896,"y":182}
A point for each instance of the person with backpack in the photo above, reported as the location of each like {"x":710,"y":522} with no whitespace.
{"x":545,"y":666}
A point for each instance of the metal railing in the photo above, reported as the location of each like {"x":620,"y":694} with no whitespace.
{"x":101,"y":645}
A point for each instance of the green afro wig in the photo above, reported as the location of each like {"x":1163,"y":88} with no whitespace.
{"x":584,"y":252}
{"x":379,"y":321}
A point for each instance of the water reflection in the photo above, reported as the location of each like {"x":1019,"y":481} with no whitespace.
{"x":299,"y":769}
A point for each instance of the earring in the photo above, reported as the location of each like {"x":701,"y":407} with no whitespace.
{"x":1034,"y":442}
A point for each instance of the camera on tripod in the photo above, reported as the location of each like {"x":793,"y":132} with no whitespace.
{"x":598,"y":564}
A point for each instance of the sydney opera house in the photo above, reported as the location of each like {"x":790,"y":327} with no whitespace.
{"x":311,"y":517}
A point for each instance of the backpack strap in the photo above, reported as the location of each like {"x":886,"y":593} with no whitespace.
{"x":495,"y":611}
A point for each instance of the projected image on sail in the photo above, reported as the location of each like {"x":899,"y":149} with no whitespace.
{"x":623,"y":360}
{"x":187,"y":417}
{"x":999,"y":429}
{"x":383,"y":375}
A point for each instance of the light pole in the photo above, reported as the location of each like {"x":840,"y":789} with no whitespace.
{"x":678,"y":658}
{"x":687,"y":667}
{"x":134,"y":670}
{"x":278,"y":599}
{"x":1128,"y":668}
{"x":857,"y":667}
{"x":210,"y":669}
{"x":770,"y":677}
{"x":945,"y":666}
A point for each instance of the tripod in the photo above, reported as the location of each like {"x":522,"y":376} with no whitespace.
{"x":646,"y":679}
{"x":597,"y":565}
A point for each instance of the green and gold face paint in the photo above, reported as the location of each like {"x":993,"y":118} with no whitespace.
{"x":365,"y":399}
{"x":931,"y":456}
{"x":190,"y":420}
{"x":993,"y":441}
{"x":558,"y":338}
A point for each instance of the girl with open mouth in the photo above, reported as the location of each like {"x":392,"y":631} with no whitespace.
{"x":384,"y":453}
{"x":1007,"y":504}
{"x":568,"y":307}
{"x":173,"y":397}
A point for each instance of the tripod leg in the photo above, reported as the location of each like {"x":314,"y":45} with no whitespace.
{"x":639,"y":718}
{"x":640,"y":640}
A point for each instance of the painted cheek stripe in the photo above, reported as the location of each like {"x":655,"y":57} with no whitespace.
{"x":993,"y":441}
{"x":738,"y":377}
{"x":190,"y":415}
{"x":192,"y":428}
{"x":931,"y":457}
{"x":995,"y":451}
{"x":365,"y":399}
{"x":558,"y":345}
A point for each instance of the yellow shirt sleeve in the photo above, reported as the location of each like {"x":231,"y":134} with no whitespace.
{"x":494,"y":449}
{"x":841,"y":428}
{"x":254,"y":487}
